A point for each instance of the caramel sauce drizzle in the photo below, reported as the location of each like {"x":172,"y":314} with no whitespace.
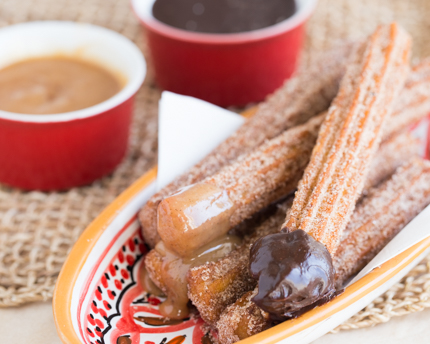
{"x":147,"y":283}
{"x":175,"y":268}
{"x":194,"y":217}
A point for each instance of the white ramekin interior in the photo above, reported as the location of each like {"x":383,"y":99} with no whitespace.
{"x":89,"y":42}
{"x":143,"y":10}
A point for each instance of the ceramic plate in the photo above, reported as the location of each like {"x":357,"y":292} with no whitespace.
{"x":99,"y":299}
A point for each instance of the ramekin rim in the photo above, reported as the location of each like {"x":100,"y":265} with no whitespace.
{"x":128,"y":91}
{"x":298,"y":18}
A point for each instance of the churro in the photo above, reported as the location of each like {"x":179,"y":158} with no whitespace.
{"x":203,"y":213}
{"x":241,"y":320}
{"x":408,"y":110}
{"x":267,"y":174}
{"x":349,"y":137}
{"x":168,"y":272}
{"x":302,"y":97}
{"x":256,"y":179}
{"x":273,"y":169}
{"x":392,"y":153}
{"x":333,"y":180}
{"x":215,"y":285}
{"x":378,"y":217}
{"x":414,"y":101}
{"x":198,"y":214}
{"x":413,"y":105}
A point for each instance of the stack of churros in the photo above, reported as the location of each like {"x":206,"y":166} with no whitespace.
{"x":318,"y":181}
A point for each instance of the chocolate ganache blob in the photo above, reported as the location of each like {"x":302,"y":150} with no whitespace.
{"x":294,"y":271}
{"x":222,"y":16}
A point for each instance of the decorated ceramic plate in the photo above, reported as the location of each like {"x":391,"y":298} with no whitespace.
{"x":99,"y":297}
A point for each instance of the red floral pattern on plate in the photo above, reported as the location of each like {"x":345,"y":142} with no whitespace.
{"x":119,"y":303}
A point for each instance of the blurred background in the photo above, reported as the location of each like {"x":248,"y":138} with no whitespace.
{"x":37,"y":229}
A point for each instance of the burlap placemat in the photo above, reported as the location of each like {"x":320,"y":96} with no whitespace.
{"x":37,"y":230}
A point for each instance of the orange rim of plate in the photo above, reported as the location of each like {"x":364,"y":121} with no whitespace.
{"x":82,"y":248}
{"x":80,"y":252}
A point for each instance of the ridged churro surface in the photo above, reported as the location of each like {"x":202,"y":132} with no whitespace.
{"x":381,"y":215}
{"x":228,"y":178}
{"x":414,"y":101}
{"x":271,"y":171}
{"x":392,"y":153}
{"x":349,"y":137}
{"x":302,"y":97}
{"x":412,"y":106}
{"x":378,"y":217}
{"x":211,"y":303}
{"x":213,"y":286}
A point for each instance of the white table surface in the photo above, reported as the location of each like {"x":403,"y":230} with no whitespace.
{"x":34,"y":324}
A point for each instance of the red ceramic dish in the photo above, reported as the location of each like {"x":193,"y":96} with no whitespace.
{"x":60,"y":151}
{"x":224,"y":69}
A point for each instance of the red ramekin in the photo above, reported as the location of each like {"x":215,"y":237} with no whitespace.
{"x":60,"y":151}
{"x":224,"y":69}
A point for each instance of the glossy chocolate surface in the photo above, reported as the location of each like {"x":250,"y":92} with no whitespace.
{"x":222,"y":16}
{"x":294,"y":272}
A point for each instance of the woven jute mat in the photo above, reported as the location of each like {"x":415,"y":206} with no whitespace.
{"x":37,"y":230}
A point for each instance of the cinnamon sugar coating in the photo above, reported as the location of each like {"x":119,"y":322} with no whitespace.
{"x":414,"y":101}
{"x":241,"y":320}
{"x":350,"y":136}
{"x":388,"y":158}
{"x":229,"y":277}
{"x":412,"y":106}
{"x":268,"y":173}
{"x":302,"y":97}
{"x":392,"y":153}
{"x":215,"y":285}
{"x":378,"y":217}
{"x":418,"y":108}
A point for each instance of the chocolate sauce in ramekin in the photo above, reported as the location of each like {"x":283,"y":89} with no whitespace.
{"x":222,"y":16}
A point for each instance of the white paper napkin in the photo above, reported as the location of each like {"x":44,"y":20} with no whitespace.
{"x":190,"y":128}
